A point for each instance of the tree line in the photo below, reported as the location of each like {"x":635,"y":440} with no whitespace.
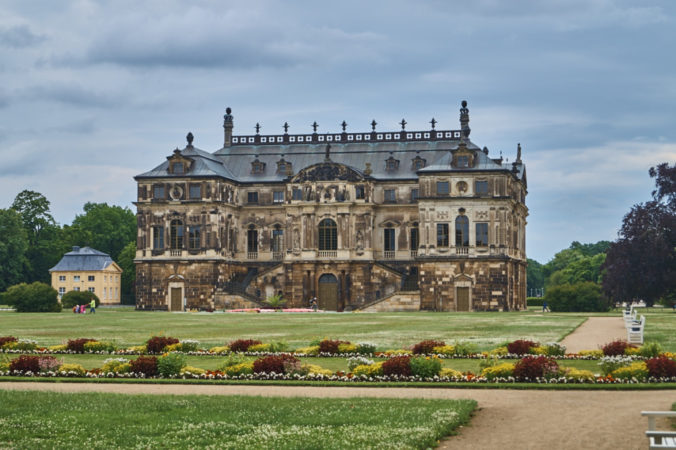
{"x":639,"y":265}
{"x":31,"y":242}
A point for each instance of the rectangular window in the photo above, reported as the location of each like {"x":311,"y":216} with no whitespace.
{"x":252,"y":197}
{"x":252,"y":241}
{"x":91,"y":289}
{"x":76,"y":288}
{"x":388,"y":244}
{"x":297,"y":194}
{"x":195,"y":192}
{"x":277,"y":240}
{"x":158,"y":239}
{"x":481,"y":234}
{"x":177,"y":168}
{"x":481,"y":187}
{"x":442,"y":187}
{"x":90,"y":278}
{"x":158,"y":192}
{"x":442,"y":235}
{"x":463,"y":161}
{"x":76,"y":278}
{"x":414,"y":195}
{"x":62,"y":278}
{"x":359,"y":192}
{"x":278,"y":197}
{"x":62,"y":290}
{"x":194,"y":235}
{"x":390,"y":196}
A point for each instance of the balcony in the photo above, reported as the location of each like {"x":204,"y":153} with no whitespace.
{"x":327,"y":254}
{"x":176,"y":252}
{"x":414,"y":253}
{"x":389,"y":254}
{"x":251,"y":255}
{"x":277,"y":256}
{"x":462,"y":250}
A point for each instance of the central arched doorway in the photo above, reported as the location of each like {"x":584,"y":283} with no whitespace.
{"x":328,"y":292}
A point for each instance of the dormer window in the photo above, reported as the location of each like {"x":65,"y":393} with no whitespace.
{"x":283,"y":167}
{"x":391,"y":164}
{"x":462,"y":161}
{"x":418,"y":163}
{"x":178,"y":168}
{"x":257,"y":167}
{"x":179,"y":164}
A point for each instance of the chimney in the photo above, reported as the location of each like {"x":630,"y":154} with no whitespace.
{"x":227,"y":127}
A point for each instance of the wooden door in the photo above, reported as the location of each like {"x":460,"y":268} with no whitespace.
{"x":328,"y":292}
{"x":462,"y":303}
{"x":176,"y":299}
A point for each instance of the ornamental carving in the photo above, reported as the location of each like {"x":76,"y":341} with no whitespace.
{"x":327,"y":172}
{"x":481,"y":215}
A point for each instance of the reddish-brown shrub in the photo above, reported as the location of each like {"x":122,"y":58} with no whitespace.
{"x":6,"y":339}
{"x":520,"y":347}
{"x":242,"y":345}
{"x":398,"y":365}
{"x":329,"y":346}
{"x":47,"y":362}
{"x":532,"y":367}
{"x":425,"y":347}
{"x":615,"y":348}
{"x":144,"y":364}
{"x":156,"y":344}
{"x":276,"y":363}
{"x":77,"y":345}
{"x":25,"y":363}
{"x":661,"y":367}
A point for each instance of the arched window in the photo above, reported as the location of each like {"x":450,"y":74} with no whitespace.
{"x":462,"y":231}
{"x":252,"y":239}
{"x":176,"y":235}
{"x":328,"y":235}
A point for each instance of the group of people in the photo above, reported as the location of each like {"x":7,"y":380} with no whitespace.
{"x":313,"y":304}
{"x":82,"y":309}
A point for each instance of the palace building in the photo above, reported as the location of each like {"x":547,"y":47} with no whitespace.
{"x":377,"y":220}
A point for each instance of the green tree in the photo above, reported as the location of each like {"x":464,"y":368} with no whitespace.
{"x":13,"y":246}
{"x":579,"y":262}
{"x":73,"y":298}
{"x":535,"y":277}
{"x":106,"y":228}
{"x":579,"y":297}
{"x":126,"y":263}
{"x":34,"y":297}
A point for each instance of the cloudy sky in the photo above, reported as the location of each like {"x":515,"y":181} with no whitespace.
{"x":95,"y":92}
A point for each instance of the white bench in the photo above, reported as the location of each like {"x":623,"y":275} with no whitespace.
{"x":635,"y":331}
{"x":659,"y":439}
{"x":629,"y":316}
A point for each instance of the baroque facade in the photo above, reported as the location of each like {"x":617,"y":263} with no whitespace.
{"x":378,"y":220}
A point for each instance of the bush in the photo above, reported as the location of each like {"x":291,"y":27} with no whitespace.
{"x":78,"y":345}
{"x":156,"y":344}
{"x":5,"y":339}
{"x":23,"y":344}
{"x":48,"y":363}
{"x":276,"y":364}
{"x":520,"y":347}
{"x":426,"y":347}
{"x":425,"y":367}
{"x":464,"y":348}
{"x":611,"y":363}
{"x":366,"y":348}
{"x":503,"y":370}
{"x":171,"y":364}
{"x":358,"y":361}
{"x":77,"y":368}
{"x":189,"y":345}
{"x":532,"y":367}
{"x":579,"y":297}
{"x":579,"y":374}
{"x":230,"y":361}
{"x":397,"y":365}
{"x":447,"y":350}
{"x":555,"y":349}
{"x":25,"y":363}
{"x":73,"y":298}
{"x":146,"y":365}
{"x":96,"y":346}
{"x":34,"y":297}
{"x":242,"y":345}
{"x":329,"y":346}
{"x":661,"y":367}
{"x":450,"y":373}
{"x":312,"y":350}
{"x":591,"y":353}
{"x":636,"y":370}
{"x":650,"y":350}
{"x":346,"y":347}
{"x":239,"y":369}
{"x":369,"y":370}
{"x":114,"y":364}
{"x":534,"y":301}
{"x":192,"y":370}
{"x":615,"y":348}
{"x":259,"y":348}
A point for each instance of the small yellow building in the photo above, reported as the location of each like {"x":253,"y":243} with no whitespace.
{"x":86,"y":269}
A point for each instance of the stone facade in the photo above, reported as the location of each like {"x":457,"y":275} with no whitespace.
{"x":351,"y":218}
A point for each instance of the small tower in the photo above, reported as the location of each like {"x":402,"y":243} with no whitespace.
{"x":227,"y":127}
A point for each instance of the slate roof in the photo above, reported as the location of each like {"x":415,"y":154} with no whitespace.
{"x":83,"y":259}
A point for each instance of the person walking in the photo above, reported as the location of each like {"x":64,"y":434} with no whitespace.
{"x":92,"y":306}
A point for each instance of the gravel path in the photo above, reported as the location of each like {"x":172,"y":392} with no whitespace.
{"x":594,"y":333}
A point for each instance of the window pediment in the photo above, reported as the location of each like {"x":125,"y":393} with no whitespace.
{"x":257,"y":166}
{"x":327,"y":171}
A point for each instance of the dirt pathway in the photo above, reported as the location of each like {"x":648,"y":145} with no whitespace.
{"x":507,"y":419}
{"x":594,"y":333}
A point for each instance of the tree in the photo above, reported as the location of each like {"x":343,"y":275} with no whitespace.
{"x":579,"y":262}
{"x":34,"y":297}
{"x":641,"y":264}
{"x":126,"y":263}
{"x":106,"y":228}
{"x":535,"y":277}
{"x":34,"y":210}
{"x":13,"y":246}
{"x":73,"y":298}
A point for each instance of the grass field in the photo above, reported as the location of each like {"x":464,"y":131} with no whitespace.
{"x":53,"y":420}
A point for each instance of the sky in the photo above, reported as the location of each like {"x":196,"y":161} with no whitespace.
{"x":93,"y":93}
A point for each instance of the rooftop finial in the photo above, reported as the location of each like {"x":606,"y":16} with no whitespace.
{"x":314,"y":126}
{"x":227,"y":127}
{"x":464,"y":119}
{"x":189,"y":138}
{"x":373,"y":125}
{"x":344,"y":125}
{"x":286,"y":127}
{"x":258,"y":128}
{"x":518,"y":152}
{"x":433,"y":122}
{"x":403,"y":124}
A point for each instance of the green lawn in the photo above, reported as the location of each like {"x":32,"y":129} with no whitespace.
{"x":53,"y":420}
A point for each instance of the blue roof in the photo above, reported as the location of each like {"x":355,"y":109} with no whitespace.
{"x":83,"y":259}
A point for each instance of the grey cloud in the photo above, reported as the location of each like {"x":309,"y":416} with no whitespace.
{"x":19,"y":36}
{"x":73,"y":94}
